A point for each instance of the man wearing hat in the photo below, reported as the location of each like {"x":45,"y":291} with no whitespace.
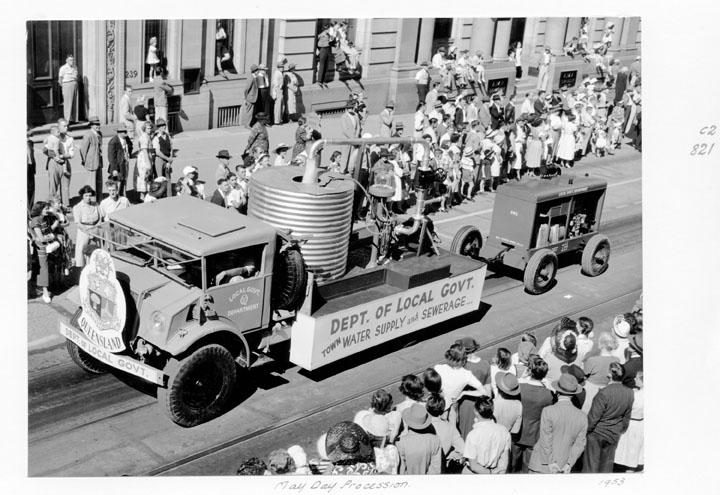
{"x":223,"y":169}
{"x":162,"y":90}
{"x":91,"y":156}
{"x":127,"y":116}
{"x":578,"y":399}
{"x":497,"y":114}
{"x":258,"y":135}
{"x":119,"y":152}
{"x":487,"y":446}
{"x":420,"y":449}
{"x":563,"y":428}
{"x":431,"y":98}
{"x":543,"y":65}
{"x":508,"y":407}
{"x":264,"y":103}
{"x":386,"y":119}
{"x":251,"y":96}
{"x":351,"y":129}
{"x":323,"y":53}
{"x":292,"y":85}
{"x":162,"y":144}
{"x":422,"y":82}
{"x":278,"y":91}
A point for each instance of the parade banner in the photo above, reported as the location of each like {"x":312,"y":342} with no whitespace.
{"x":316,"y":342}
{"x":123,"y":363}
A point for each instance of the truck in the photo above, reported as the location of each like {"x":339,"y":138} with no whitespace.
{"x":534,"y":222}
{"x":187,"y":295}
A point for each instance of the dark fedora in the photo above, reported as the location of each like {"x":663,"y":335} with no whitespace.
{"x":416,"y":417}
{"x":469,"y":344}
{"x":507,"y":382}
{"x":574,"y":370}
{"x":121,"y":128}
{"x":636,"y":343}
{"x":347,"y":441}
{"x":567,"y":384}
{"x":223,"y":154}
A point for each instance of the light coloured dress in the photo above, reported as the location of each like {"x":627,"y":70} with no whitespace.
{"x":534,"y":149}
{"x":566,"y":145}
{"x":152,"y":57}
{"x":630,"y":450}
{"x":143,"y":164}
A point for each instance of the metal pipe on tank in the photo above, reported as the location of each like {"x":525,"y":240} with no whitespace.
{"x":311,"y":166}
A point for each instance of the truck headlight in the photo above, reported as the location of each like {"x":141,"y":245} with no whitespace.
{"x":158,"y":322}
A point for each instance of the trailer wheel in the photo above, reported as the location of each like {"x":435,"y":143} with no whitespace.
{"x":596,"y":255}
{"x":289,"y":279}
{"x":198,"y":386}
{"x":84,"y":360}
{"x":467,"y":242}
{"x":540,"y":271}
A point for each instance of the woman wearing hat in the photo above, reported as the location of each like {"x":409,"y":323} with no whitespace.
{"x":349,"y":449}
{"x":280,"y":152}
{"x":535,"y":144}
{"x":303,"y":134}
{"x":292,"y":85}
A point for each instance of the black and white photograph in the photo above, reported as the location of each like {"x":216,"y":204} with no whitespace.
{"x":385,"y":252}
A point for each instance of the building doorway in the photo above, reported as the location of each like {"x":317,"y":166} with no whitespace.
{"x":441,"y":33}
{"x":517,"y":30}
{"x":48,"y":44}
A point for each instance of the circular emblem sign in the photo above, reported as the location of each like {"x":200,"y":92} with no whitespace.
{"x":103,"y":303}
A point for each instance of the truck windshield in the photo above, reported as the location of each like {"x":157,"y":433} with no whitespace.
{"x":140,"y":249}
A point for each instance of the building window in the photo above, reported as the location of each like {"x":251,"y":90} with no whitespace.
{"x":346,"y":57}
{"x":155,"y":30}
{"x":191,"y":81}
{"x":224,"y":53}
{"x":441,"y":33}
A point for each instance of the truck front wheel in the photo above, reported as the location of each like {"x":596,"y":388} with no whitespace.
{"x":84,"y":360}
{"x":596,"y":255}
{"x":467,"y":242}
{"x":198,"y":386}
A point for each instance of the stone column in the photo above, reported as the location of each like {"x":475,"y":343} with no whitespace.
{"x":119,"y":62}
{"x":502,"y":39}
{"x":427,"y":27}
{"x":174,"y":48}
{"x":404,"y":66}
{"x":573,"y":29}
{"x":628,"y":36}
{"x":363,"y":36}
{"x":555,"y":28}
{"x":619,"y":21}
{"x":94,"y":76}
{"x":483,"y":32}
{"x":208,"y":69}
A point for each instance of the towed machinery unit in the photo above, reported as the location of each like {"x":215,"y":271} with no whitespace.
{"x":535,"y":221}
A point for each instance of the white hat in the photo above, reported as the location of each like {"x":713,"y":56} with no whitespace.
{"x":367,"y":135}
{"x":621,"y":327}
{"x":189,"y":169}
{"x":298,"y":454}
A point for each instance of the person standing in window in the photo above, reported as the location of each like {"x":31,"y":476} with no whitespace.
{"x":68,"y":78}
{"x":162,"y":90}
{"x":323,"y":53}
{"x":152,"y":58}
{"x":222,"y":51}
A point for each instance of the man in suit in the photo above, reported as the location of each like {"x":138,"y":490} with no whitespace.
{"x":609,"y":417}
{"x":323,"y":53}
{"x":539,"y":103}
{"x":119,"y":152}
{"x":91,"y":157}
{"x":247,"y":115}
{"x":220,"y":196}
{"x":127,"y":116}
{"x":264,"y":103}
{"x":386,"y":119}
{"x":497,"y":113}
{"x":563,"y":428}
{"x":350,"y":126}
{"x":162,"y":91}
{"x":278,"y":89}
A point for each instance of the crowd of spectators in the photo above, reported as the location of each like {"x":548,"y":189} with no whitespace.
{"x":570,"y":404}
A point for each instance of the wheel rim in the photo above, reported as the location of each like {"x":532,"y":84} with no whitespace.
{"x":203,"y":386}
{"x":600,"y":257}
{"x":545,"y":273}
{"x":471,"y":246}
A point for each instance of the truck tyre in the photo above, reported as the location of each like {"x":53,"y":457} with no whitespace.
{"x":595,"y":256}
{"x":540,"y":271}
{"x":198,"y":386}
{"x":289,"y":279}
{"x":84,"y":360}
{"x":467,"y":242}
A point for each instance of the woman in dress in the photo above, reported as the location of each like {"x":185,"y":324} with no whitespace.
{"x":350,"y":450}
{"x":566,"y":146}
{"x":630,"y":451}
{"x":293,"y":86}
{"x":516,"y":56}
{"x":455,"y":377}
{"x":144,"y":162}
{"x":42,"y":224}
{"x":86,"y":214}
{"x":535,"y":144}
{"x":303,"y":134}
{"x":152,"y":57}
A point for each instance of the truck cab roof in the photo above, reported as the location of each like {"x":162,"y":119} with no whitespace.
{"x":538,"y":191}
{"x":198,"y":227}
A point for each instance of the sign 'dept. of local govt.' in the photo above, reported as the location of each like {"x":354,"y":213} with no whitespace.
{"x":319,"y":341}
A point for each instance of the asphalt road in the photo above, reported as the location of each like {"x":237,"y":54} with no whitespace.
{"x":106,"y":427}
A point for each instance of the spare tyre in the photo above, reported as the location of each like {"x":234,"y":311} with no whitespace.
{"x":289,"y":279}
